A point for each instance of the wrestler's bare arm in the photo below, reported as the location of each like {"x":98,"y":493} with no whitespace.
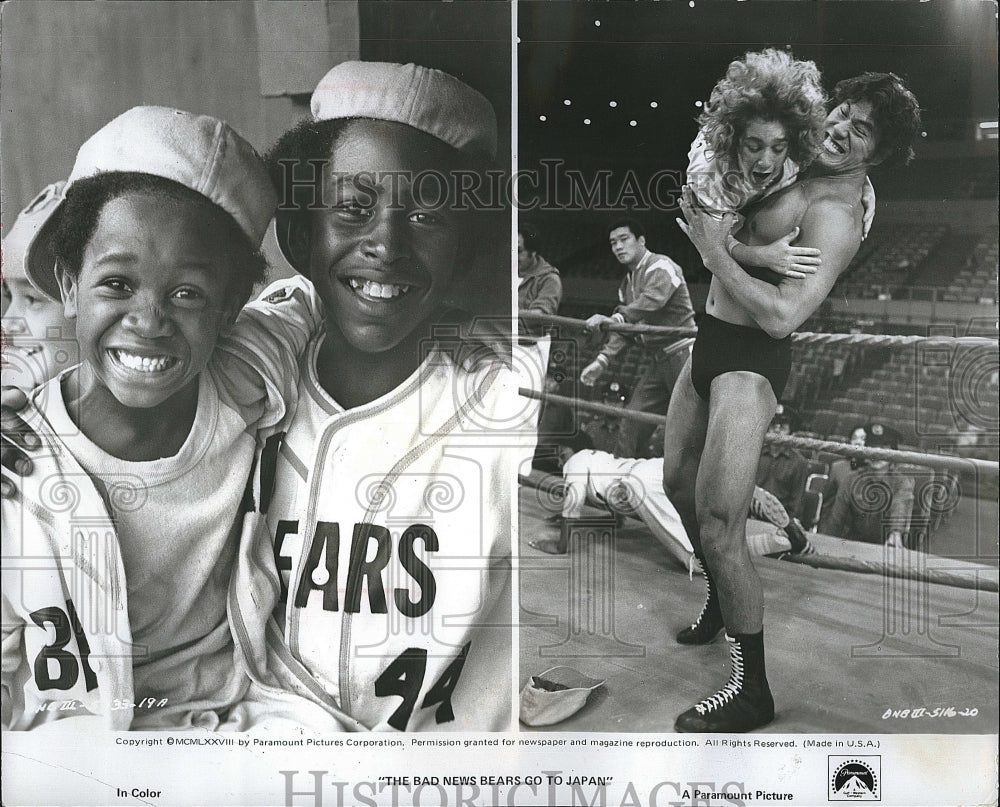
{"x":827,"y":224}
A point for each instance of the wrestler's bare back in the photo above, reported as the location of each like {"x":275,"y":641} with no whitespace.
{"x":777,"y":215}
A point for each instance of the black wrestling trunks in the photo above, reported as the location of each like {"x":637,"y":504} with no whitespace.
{"x":722,"y":347}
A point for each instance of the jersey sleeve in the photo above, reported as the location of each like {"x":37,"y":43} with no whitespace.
{"x":256,"y":364}
{"x":616,"y":341}
{"x":66,"y":637}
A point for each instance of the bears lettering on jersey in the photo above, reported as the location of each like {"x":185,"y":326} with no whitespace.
{"x":323,"y":553}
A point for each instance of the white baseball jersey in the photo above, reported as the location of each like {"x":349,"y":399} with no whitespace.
{"x":390,"y":530}
{"x":114,"y":600}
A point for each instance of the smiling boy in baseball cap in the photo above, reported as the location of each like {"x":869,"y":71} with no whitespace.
{"x":153,"y":249}
{"x":390,"y":514}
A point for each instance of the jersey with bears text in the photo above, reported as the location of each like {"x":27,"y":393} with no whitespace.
{"x":390,"y":530}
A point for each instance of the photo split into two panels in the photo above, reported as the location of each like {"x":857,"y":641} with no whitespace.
{"x":406,"y":491}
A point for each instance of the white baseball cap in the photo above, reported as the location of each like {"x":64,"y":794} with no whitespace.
{"x":197,"y":151}
{"x":29,"y":221}
{"x":430,"y":100}
{"x":553,"y":696}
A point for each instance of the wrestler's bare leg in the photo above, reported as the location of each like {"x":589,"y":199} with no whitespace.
{"x":683,"y":441}
{"x":742,"y":405}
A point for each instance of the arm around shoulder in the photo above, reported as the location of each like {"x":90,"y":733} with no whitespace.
{"x":257,"y":361}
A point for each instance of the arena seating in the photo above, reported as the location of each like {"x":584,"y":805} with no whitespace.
{"x":889,"y":259}
{"x":977,"y":281}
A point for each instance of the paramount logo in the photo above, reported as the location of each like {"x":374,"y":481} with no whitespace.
{"x":854,"y":778}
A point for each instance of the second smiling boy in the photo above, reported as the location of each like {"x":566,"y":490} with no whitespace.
{"x":390,"y":517}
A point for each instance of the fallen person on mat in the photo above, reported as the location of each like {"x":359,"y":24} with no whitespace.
{"x":633,"y":487}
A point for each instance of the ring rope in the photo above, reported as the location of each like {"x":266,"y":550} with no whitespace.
{"x":969,"y":576}
{"x":804,"y":337}
{"x":938,"y":461}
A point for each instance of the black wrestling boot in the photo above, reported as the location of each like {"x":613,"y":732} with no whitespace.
{"x":709,"y":622}
{"x":744,"y":703}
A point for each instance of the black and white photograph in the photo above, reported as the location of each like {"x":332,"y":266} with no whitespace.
{"x":260,"y":407}
{"x":499,"y":402}
{"x":788,"y":522}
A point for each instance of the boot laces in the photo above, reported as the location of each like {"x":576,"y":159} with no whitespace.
{"x":732,"y":688}
{"x":708,"y":600}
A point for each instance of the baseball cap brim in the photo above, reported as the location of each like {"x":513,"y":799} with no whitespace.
{"x":39,"y":261}
{"x":35,"y":218}
{"x":198,"y":152}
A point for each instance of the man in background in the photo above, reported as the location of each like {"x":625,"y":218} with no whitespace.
{"x":652,"y":292}
{"x":842,"y":468}
{"x":875,"y":502}
{"x":539,"y":287}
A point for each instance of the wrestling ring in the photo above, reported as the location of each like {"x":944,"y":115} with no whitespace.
{"x":861,"y":638}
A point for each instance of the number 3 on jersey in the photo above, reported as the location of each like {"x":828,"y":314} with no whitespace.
{"x":404,"y":678}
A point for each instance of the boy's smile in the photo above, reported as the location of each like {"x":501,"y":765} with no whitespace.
{"x":150,"y":299}
{"x":386,"y":246}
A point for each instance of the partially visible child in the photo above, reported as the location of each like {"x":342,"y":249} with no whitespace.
{"x":38,"y":340}
{"x":390,"y":515}
{"x":762,"y":126}
{"x":117,"y":559}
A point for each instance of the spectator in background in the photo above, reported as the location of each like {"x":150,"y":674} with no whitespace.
{"x":539,"y":287}
{"x":841,"y":469}
{"x":782,"y":470}
{"x":874,"y":502}
{"x":539,"y":290}
{"x":653,"y":292}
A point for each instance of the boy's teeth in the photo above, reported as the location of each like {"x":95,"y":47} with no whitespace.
{"x":144,"y":364}
{"x":384,"y":291}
